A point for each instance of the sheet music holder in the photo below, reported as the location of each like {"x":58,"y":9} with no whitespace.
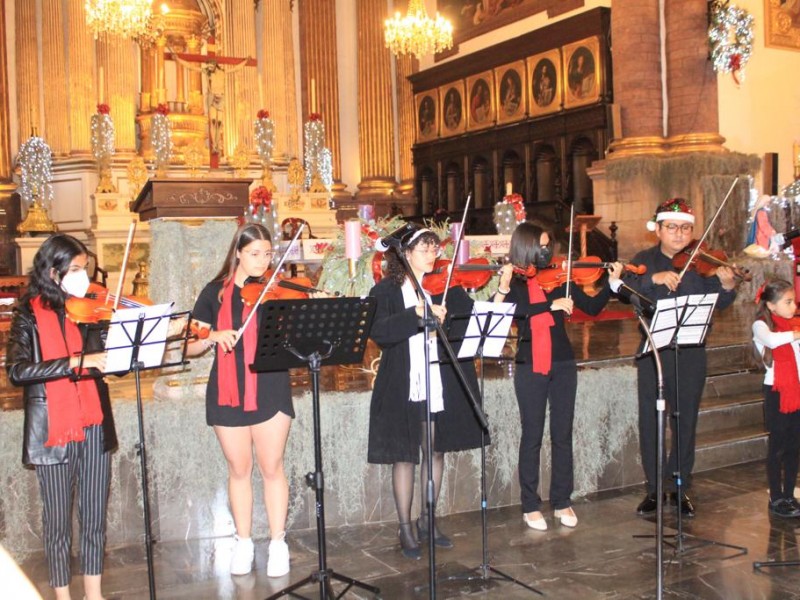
{"x":487,"y":329}
{"x":689,"y":315}
{"x":312,"y":333}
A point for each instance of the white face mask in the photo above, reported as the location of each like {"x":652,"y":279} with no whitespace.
{"x":76,"y":283}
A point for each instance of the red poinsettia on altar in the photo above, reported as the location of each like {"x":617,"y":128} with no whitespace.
{"x":263,"y":114}
{"x":518,"y":203}
{"x":315,"y":116}
{"x":260,"y":197}
{"x":162,"y":109}
{"x":103,"y":109}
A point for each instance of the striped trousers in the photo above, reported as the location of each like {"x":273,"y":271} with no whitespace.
{"x":88,"y":468}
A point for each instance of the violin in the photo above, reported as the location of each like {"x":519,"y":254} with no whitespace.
{"x":707,"y":261}
{"x":284,"y":288}
{"x":471,"y":275}
{"x":585,"y":271}
{"x":98,"y":305}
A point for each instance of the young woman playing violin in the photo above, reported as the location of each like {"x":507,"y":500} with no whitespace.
{"x":69,"y":429}
{"x":673,"y":225}
{"x":397,"y":409}
{"x":247,"y":410}
{"x":546,"y":370}
{"x":777,"y":345}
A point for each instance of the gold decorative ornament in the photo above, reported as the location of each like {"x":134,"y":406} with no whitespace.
{"x":141,"y":283}
{"x":37,"y":219}
{"x":194,"y":155}
{"x":317,"y":187}
{"x":417,"y":33}
{"x":296,"y":175}
{"x":137,"y":176}
{"x":240,"y":160}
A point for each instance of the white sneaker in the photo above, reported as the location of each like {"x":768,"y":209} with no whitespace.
{"x":243,"y":554}
{"x":278,"y":561}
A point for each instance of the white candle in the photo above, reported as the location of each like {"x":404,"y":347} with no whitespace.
{"x":509,"y":187}
{"x":313,"y":96}
{"x":100,"y":86}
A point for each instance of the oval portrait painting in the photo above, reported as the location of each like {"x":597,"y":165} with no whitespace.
{"x":544,"y":83}
{"x":453,"y":109}
{"x":480,"y":102}
{"x":510,"y":92}
{"x":426,"y":117}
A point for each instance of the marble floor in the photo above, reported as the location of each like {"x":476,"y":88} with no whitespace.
{"x":598,"y":559}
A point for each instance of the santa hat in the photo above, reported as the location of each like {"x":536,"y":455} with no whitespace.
{"x":675,"y":209}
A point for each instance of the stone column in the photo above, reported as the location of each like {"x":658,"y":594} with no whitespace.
{"x":278,"y":73}
{"x":146,"y":58}
{"x":637,"y":76}
{"x":27,"y":68}
{"x":54,"y":72}
{"x":318,"y":62}
{"x":405,"y":66}
{"x":83,"y":95}
{"x":693,"y":119}
{"x":195,"y":99}
{"x":375,"y":111}
{"x":5,"y":116}
{"x":241,"y":87}
{"x":118,"y":57}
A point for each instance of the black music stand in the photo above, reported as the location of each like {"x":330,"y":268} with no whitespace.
{"x":688,"y":327}
{"x":312,"y":333}
{"x":141,"y":342}
{"x":486,"y":325}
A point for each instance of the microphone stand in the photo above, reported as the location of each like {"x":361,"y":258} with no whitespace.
{"x":430,"y":323}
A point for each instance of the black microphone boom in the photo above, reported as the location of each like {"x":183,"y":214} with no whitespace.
{"x":643,"y":303}
{"x":397,"y":238}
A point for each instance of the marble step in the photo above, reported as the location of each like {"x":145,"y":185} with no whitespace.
{"x":738,"y":382}
{"x":730,"y":359}
{"x":731,"y":411}
{"x":731,"y":446}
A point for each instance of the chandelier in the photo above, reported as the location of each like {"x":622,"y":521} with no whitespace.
{"x":125,"y":18}
{"x":417,"y":33}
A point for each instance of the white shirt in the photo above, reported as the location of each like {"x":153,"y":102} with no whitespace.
{"x":763,"y":337}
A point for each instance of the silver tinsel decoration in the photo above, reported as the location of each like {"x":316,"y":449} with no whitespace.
{"x":264,"y":132}
{"x":34,"y":160}
{"x":325,"y":166}
{"x":505,"y":218}
{"x":730,"y":36}
{"x":161,"y":139}
{"x":102,"y":137}
{"x":313,"y":143}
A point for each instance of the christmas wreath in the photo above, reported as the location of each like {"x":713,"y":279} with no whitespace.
{"x":730,"y":37}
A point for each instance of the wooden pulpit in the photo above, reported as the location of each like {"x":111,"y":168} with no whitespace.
{"x":192,"y":198}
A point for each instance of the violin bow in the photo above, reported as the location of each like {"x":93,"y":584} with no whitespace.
{"x":708,"y":229}
{"x":269,"y":283}
{"x":569,"y":248}
{"x":452,"y":266}
{"x":124,"y":267}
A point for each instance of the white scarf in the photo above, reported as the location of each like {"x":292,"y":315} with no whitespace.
{"x":416,"y":351}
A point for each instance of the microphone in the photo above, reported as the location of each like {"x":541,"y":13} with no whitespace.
{"x":637,"y":300}
{"x":399,"y":237}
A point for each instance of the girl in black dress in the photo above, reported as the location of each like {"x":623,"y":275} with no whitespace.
{"x":69,"y":429}
{"x":397,"y":410}
{"x":546,"y":371}
{"x":247,"y":410}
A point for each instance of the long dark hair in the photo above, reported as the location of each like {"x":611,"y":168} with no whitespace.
{"x":772,"y":293}
{"x":55,"y":254}
{"x":395,"y":270}
{"x":525,"y":247}
{"x":247,"y":233}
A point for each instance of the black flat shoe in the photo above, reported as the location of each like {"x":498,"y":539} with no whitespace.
{"x":408,"y":544}
{"x":440,"y":539}
{"x":687,"y":508}
{"x":783,"y":508}
{"x":649,"y":505}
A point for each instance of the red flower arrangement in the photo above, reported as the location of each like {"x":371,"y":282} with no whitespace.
{"x":518,"y":202}
{"x":315,"y":116}
{"x":103,"y":109}
{"x":261,"y":196}
{"x":321,"y":248}
{"x":263,"y":114}
{"x":369,"y":232}
{"x":162,"y":109}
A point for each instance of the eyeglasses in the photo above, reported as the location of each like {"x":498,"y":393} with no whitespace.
{"x":673,"y":228}
{"x":435,"y":250}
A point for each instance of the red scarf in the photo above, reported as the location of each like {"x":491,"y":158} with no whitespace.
{"x":227,"y":381}
{"x":541,"y":343}
{"x":787,"y":383}
{"x":71,"y":405}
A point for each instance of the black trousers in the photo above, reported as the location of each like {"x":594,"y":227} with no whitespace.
{"x":690,"y":383}
{"x":88,"y":467}
{"x":783,"y":447}
{"x":533,"y":391}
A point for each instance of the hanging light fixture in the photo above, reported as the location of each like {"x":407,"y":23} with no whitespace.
{"x":124,"y":18}
{"x":417,"y":33}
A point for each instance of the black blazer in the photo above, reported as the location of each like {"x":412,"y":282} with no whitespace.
{"x":394,"y":425}
{"x":26,"y":368}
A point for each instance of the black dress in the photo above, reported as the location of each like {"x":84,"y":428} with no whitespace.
{"x":394,"y":424}
{"x":274,"y":389}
